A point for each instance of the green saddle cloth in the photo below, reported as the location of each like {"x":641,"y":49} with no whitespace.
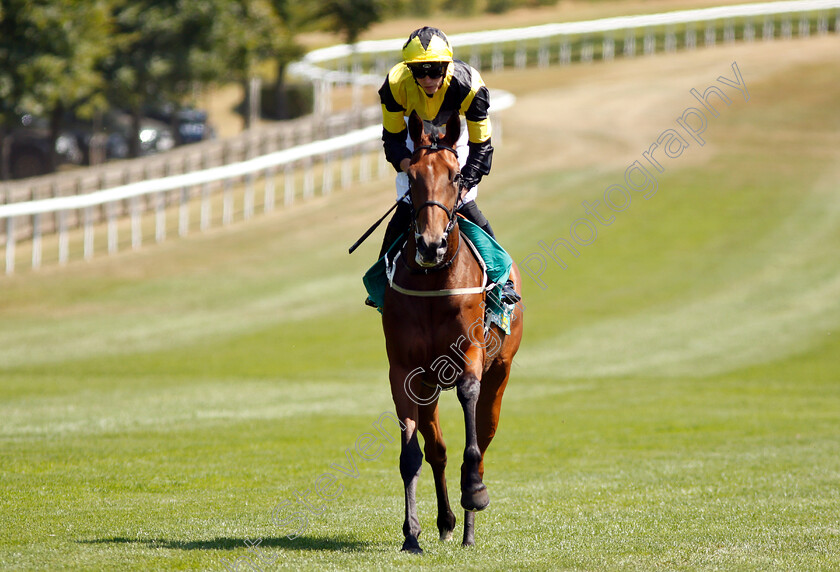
{"x":497,"y":260}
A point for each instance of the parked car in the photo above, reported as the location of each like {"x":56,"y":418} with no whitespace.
{"x":30,"y":153}
{"x":190,"y":124}
{"x":115,"y":132}
{"x":80,"y":139}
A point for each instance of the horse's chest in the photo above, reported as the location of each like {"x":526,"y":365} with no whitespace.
{"x":447,"y":345}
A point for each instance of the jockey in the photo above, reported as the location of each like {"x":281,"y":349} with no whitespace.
{"x":432,"y":83}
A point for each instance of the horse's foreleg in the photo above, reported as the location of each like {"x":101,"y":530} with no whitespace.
{"x":411,"y":462}
{"x":474,"y":495}
{"x":487,"y":420}
{"x":469,"y":528}
{"x":411,"y":457}
{"x":435,"y":449}
{"x":489,"y":407}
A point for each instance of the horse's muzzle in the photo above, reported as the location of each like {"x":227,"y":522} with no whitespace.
{"x":430,"y":254}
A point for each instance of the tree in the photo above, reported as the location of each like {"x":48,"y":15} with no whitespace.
{"x":260,"y":36}
{"x":164,"y":47}
{"x":293,"y":17}
{"x":50,"y":50}
{"x":463,"y":7}
{"x":351,"y":17}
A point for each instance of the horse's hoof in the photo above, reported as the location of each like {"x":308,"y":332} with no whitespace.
{"x":416,"y":550}
{"x":476,"y":500}
{"x":468,"y":543}
{"x":412,"y":546}
{"x":446,"y":525}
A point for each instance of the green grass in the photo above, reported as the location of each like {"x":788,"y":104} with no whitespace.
{"x":674,"y":405}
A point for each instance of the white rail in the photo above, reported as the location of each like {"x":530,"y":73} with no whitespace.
{"x":215,"y":174}
{"x":575,"y":40}
{"x":594,"y":38}
{"x":360,"y":140}
{"x":621,"y":23}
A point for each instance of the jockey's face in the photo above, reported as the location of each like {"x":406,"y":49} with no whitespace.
{"x":428,"y":75}
{"x":429,"y":85}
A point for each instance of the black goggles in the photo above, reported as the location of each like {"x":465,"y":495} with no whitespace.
{"x":434,"y":70}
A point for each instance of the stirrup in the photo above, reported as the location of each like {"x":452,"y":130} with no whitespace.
{"x":509,"y":294}
{"x":369,"y":302}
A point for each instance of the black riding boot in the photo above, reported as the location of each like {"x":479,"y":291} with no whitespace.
{"x":396,"y":226}
{"x":472,"y":213}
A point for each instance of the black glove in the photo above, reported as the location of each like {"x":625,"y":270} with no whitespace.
{"x":468,"y":181}
{"x":478,"y":163}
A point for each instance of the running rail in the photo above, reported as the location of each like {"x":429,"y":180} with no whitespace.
{"x":309,"y":67}
{"x":265,"y":165}
{"x":607,"y":31}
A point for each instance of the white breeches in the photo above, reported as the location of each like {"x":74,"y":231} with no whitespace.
{"x":463,"y":152}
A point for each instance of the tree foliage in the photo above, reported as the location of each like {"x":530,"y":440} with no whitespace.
{"x":351,"y":17}
{"x":49,"y":51}
{"x":164,"y":47}
{"x":294,"y":17}
{"x":57,"y":55}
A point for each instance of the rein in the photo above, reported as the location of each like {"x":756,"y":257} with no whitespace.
{"x":436,"y":145}
{"x":391,"y":265}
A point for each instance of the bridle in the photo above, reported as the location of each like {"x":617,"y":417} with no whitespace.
{"x":436,"y":145}
{"x":390,"y":265}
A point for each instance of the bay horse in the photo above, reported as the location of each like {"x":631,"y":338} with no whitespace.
{"x":433,"y":320}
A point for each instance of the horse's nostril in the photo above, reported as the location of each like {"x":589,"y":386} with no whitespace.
{"x":422,"y":247}
{"x":429,"y":250}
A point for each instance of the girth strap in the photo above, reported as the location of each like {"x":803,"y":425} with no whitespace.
{"x":391,"y":267}
{"x":436,"y":293}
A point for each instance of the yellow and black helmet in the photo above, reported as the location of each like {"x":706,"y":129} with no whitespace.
{"x":427,"y":45}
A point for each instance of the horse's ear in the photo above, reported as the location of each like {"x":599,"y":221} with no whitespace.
{"x":453,"y":130}
{"x":415,"y":126}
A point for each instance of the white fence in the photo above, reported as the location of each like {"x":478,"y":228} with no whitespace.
{"x":356,"y":155}
{"x":364,"y":65}
{"x":266,"y":138}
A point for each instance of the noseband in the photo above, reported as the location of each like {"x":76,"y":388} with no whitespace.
{"x":391,"y":264}
{"x":435,"y":146}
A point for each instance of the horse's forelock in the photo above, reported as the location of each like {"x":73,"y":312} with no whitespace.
{"x":434,"y":132}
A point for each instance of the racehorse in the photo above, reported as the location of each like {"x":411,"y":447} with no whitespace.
{"x":433,"y":319}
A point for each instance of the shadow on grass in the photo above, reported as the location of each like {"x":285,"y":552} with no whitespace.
{"x":300,"y":543}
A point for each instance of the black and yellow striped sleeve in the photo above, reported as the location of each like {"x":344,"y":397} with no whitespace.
{"x":394,"y":130}
{"x":475,"y":106}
